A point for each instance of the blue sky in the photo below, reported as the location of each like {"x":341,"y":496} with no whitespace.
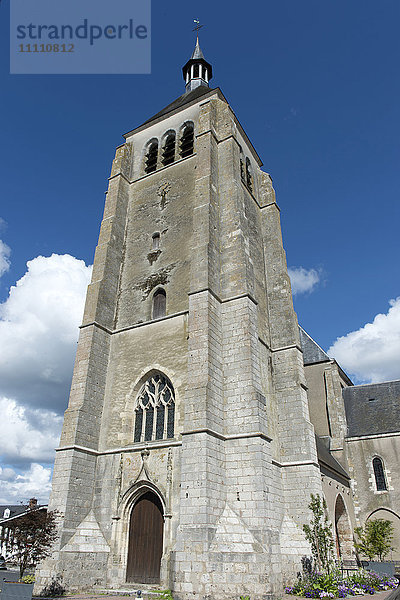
{"x":315,"y":85}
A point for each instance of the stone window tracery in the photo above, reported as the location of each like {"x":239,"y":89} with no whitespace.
{"x":155,"y":410}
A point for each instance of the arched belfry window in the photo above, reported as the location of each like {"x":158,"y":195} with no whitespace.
{"x":249,"y":176}
{"x":379,"y":472}
{"x":187,"y":140}
{"x":151,"y":158}
{"x":159,"y":304}
{"x":168,"y":152}
{"x":155,"y":410}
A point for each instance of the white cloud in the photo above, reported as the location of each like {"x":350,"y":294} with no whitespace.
{"x":20,"y":487}
{"x":372,"y":353}
{"x":4,"y":257}
{"x":39,"y":329}
{"x":303,"y":280}
{"x":27,"y":435}
{"x":38,"y":333}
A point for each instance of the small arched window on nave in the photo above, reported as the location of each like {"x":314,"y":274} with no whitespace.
{"x":155,"y":410}
{"x":159,"y":304}
{"x":150,"y":163}
{"x":187,"y":140}
{"x":379,"y":472}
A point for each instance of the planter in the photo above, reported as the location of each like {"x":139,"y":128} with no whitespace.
{"x":382,"y":568}
{"x":16,"y":591}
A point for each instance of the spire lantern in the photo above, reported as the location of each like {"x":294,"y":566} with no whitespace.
{"x":197,"y":71}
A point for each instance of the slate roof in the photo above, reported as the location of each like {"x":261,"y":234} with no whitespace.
{"x":312,"y":353}
{"x":326,"y":460}
{"x":15,"y":509}
{"x":372,"y":409}
{"x":181,"y":101}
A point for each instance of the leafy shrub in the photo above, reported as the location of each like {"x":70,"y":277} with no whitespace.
{"x":319,"y":534}
{"x":53,"y":589}
{"x":164,"y":594}
{"x":28,"y":579}
{"x":375,"y":538}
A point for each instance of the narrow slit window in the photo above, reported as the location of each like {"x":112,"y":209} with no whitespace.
{"x":196,"y":71}
{"x":159,"y":304}
{"x":379,"y":473}
{"x":187,"y":141}
{"x":151,"y":158}
{"x":168,"y":154}
{"x":155,"y":410}
{"x":156,"y":241}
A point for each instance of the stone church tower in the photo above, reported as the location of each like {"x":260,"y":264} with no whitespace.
{"x":187,"y":456}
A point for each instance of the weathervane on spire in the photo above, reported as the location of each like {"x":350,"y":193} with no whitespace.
{"x":197,"y":27}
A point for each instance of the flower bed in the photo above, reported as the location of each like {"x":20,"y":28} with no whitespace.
{"x":333,"y":585}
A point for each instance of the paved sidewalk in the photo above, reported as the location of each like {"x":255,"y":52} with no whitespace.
{"x":128,"y":595}
{"x":376,"y":596}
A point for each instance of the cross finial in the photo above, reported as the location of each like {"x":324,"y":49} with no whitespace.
{"x":197,"y":27}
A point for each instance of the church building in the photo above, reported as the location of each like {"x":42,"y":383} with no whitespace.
{"x":188,"y":455}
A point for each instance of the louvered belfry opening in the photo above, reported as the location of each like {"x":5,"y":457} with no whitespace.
{"x":187,"y":141}
{"x":151,"y":158}
{"x":249,"y":178}
{"x":242,"y":176}
{"x":168,"y":155}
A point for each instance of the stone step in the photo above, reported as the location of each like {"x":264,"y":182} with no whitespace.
{"x":131,"y":589}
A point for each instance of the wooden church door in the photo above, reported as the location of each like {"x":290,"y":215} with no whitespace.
{"x":145,"y":540}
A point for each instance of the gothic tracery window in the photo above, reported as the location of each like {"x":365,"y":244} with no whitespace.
{"x":155,"y":410}
{"x":379,"y":473}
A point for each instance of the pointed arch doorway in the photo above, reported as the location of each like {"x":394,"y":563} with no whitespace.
{"x":145,"y":545}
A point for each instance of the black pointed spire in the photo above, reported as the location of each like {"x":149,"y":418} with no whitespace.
{"x":197,"y":70}
{"x":197,"y":53}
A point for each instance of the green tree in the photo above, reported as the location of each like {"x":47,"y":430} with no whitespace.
{"x":319,"y":534}
{"x":375,"y":538}
{"x":31,"y":536}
